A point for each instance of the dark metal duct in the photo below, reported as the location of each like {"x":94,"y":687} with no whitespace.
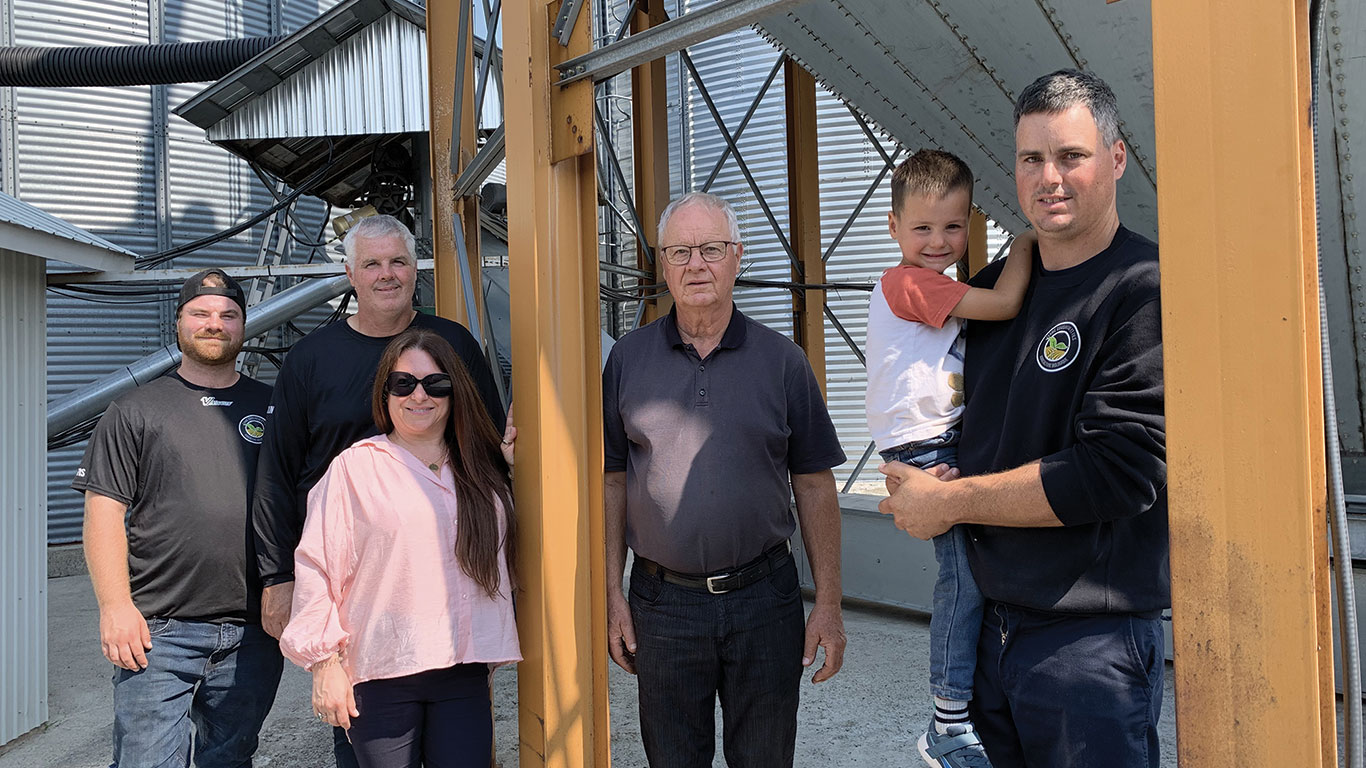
{"x":127,"y":64}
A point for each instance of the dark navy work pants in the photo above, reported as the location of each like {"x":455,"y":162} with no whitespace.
{"x":1068,"y":691}
{"x":744,"y":646}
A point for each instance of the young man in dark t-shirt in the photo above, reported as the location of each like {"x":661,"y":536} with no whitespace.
{"x":1063,"y":456}
{"x":168,"y":477}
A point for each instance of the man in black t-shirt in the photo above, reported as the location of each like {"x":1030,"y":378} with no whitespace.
{"x":168,"y":477}
{"x":321,"y":403}
{"x":1063,"y":456}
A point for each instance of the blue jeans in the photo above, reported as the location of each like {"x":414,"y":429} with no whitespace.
{"x":745,"y":646}
{"x":956,"y":616}
{"x":220,"y":677}
{"x":1069,"y":690}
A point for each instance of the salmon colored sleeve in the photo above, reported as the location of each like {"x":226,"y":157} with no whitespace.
{"x":323,"y":564}
{"x":921,"y":295}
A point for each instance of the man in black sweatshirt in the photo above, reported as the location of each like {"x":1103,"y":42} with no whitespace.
{"x":1063,"y":457}
{"x":321,"y":404}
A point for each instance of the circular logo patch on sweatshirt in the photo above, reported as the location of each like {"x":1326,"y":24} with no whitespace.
{"x":1059,"y":347}
{"x":252,"y":428}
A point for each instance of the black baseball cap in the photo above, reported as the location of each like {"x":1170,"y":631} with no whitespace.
{"x":195,"y":287}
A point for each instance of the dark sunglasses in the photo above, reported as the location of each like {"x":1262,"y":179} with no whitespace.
{"x":403,"y":384}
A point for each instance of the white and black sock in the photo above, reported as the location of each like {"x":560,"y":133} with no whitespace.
{"x":949,"y":712}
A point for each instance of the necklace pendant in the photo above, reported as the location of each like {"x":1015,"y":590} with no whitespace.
{"x":434,"y":467}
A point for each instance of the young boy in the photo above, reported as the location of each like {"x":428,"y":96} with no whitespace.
{"x":915,"y":401}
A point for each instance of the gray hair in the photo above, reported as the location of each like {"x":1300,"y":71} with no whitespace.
{"x":378,"y":226}
{"x":706,"y":200}
{"x":1059,"y":91}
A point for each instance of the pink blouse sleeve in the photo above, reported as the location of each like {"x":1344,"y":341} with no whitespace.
{"x":323,"y":565}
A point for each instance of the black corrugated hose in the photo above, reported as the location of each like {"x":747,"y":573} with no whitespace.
{"x":127,"y":64}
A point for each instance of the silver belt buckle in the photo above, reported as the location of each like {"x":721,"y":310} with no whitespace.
{"x":712,"y":588}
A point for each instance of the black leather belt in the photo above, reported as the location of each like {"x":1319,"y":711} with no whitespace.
{"x":724,"y":581}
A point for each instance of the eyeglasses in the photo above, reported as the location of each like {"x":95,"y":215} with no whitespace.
{"x":404,"y":384}
{"x":678,"y":255}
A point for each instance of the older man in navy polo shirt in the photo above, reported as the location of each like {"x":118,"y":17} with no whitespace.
{"x":712,"y":424}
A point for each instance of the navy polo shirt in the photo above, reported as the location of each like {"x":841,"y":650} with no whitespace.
{"x":707,"y":445}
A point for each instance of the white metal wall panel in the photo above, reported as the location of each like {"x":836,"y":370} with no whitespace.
{"x":23,"y":508}
{"x":375,"y":82}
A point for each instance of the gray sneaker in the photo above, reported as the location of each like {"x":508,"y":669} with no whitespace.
{"x":959,"y":748}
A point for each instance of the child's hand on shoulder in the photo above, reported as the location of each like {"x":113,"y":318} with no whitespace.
{"x":1025,"y":240}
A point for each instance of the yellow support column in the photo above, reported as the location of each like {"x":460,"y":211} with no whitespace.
{"x":557,"y":387}
{"x":977,"y":254}
{"x":443,"y":29}
{"x":650,"y":135}
{"x":804,"y":206}
{"x":1244,"y":385}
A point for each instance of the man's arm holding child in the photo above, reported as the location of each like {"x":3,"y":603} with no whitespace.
{"x":924,"y":506}
{"x":1003,"y":301}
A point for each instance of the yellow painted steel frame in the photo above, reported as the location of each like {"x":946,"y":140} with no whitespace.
{"x":443,"y":24}
{"x":803,"y":182}
{"x":650,"y":135}
{"x":977,"y":244}
{"x":553,"y":256}
{"x":1244,"y":386}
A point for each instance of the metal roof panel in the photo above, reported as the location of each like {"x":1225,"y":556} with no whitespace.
{"x":277,"y":63}
{"x":930,"y":73}
{"x":30,"y":230}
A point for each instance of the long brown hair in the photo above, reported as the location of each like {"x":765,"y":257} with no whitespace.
{"x":481,"y":473}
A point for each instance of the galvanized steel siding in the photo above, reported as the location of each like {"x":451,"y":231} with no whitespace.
{"x":87,"y":155}
{"x":23,"y":507}
{"x":112,"y":161}
{"x":294,"y":14}
{"x":733,"y":68}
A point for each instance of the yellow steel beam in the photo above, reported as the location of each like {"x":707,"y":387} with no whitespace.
{"x":650,"y":135}
{"x":1245,"y":445}
{"x":552,"y":248}
{"x":804,"y":206}
{"x":443,"y":29}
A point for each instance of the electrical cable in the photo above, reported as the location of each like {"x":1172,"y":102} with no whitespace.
{"x":64,"y":292}
{"x":269,"y":184}
{"x":151,"y":260}
{"x":1341,"y":540}
{"x":322,"y":229}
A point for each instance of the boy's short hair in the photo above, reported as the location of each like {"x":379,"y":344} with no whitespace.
{"x":929,"y":172}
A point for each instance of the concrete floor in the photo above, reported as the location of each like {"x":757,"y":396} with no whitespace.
{"x":867,"y":715}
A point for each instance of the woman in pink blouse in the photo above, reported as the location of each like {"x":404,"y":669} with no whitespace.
{"x":403,"y":582}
